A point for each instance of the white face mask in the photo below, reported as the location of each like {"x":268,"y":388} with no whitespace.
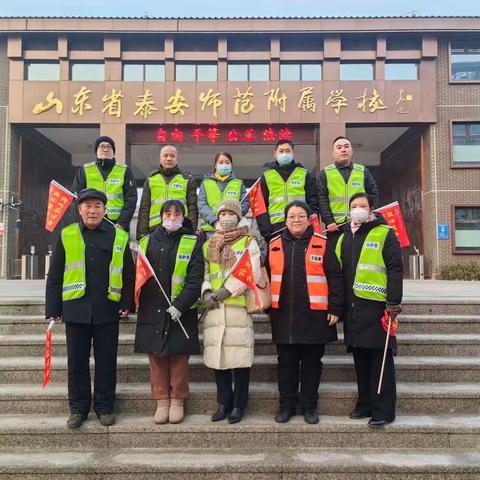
{"x":228,"y":222}
{"x":360,"y":215}
{"x":172,"y":225}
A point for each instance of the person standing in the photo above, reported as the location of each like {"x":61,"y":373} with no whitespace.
{"x":228,"y":336}
{"x":307,"y":300}
{"x":114,"y":180}
{"x":89,"y":287}
{"x":284,"y":181}
{"x":177,"y":260}
{"x":166,"y":183}
{"x":337,"y":182}
{"x":373,"y":280}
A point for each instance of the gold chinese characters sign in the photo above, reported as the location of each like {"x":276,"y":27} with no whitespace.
{"x":259,"y":102}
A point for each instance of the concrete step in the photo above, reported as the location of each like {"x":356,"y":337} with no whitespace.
{"x":440,"y":324}
{"x":335,"y":398}
{"x":256,"y":431}
{"x":441,"y":306}
{"x":337,"y":368}
{"x":287,"y":463}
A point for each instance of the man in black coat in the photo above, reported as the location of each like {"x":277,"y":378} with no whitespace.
{"x":92,"y":316}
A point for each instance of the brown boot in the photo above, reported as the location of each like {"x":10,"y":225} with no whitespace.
{"x":175,"y":415}
{"x":161,"y":415}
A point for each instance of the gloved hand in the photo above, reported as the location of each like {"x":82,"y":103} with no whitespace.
{"x":393,"y":310}
{"x":209,"y":301}
{"x":175,"y":313}
{"x":221,"y":294}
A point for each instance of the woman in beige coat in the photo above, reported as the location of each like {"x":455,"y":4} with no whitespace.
{"x":228,"y":336}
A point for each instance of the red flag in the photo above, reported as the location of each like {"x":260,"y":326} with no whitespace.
{"x":59,"y":199}
{"x":243,"y":271}
{"x":257,"y":202}
{"x":143,"y":272}
{"x":393,"y":216}
{"x":315,"y":223}
{"x":393,"y":325}
{"x":48,"y":355}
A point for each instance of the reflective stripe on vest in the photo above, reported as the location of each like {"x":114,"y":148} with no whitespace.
{"x":282,"y":193}
{"x":371,"y":273}
{"x":339,"y":192}
{"x":74,"y":272}
{"x":182,"y":259}
{"x":317,"y":285}
{"x":161,"y":191}
{"x":214,"y":196}
{"x":112,"y":186}
{"x":217,"y":276}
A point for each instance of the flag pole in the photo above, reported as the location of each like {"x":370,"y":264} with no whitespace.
{"x":380,"y":380}
{"x":246,"y":195}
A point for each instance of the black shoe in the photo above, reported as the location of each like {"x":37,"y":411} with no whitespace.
{"x":311,"y":416}
{"x":377,"y":422}
{"x":284,"y":415}
{"x":106,"y":419}
{"x":76,"y":419}
{"x":358,"y":414}
{"x":221,"y":413}
{"x":236,"y":415}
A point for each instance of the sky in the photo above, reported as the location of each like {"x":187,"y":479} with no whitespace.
{"x":240,"y":8}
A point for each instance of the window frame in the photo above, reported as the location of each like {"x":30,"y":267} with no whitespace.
{"x":355,"y":62}
{"x":195,"y":64}
{"x":402,"y":62}
{"x":249,"y":64}
{"x":449,"y":73}
{"x":143,"y":65}
{"x":26,"y":63}
{"x":300,"y":64}
{"x":452,"y":162}
{"x":453,"y":245}
{"x":85,"y":62}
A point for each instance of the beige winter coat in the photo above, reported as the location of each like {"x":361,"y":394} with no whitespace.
{"x":228,"y":336}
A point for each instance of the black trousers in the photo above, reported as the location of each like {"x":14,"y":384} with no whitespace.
{"x":105,"y":343}
{"x":368,"y":364}
{"x":238,"y":396}
{"x":299,"y":364}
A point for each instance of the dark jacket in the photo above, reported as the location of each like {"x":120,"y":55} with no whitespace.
{"x":324,"y":204}
{"x":156,"y":332}
{"x":294,"y":321}
{"x":361,"y":317}
{"x":144,"y":210}
{"x":311,"y":197}
{"x":129,"y":189}
{"x":94,"y":306}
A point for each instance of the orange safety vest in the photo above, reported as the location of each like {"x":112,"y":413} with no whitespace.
{"x":316,"y":279}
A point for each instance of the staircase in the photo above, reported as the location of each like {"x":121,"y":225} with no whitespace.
{"x":436,"y":434}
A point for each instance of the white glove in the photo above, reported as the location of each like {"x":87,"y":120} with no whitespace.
{"x":175,"y":313}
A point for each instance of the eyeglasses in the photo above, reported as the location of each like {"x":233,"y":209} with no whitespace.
{"x":105,"y":146}
{"x":297,"y":217}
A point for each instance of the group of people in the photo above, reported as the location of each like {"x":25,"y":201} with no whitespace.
{"x":192,"y":242}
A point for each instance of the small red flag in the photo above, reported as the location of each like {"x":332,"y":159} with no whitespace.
{"x":48,"y":355}
{"x":393,"y":325}
{"x":257,"y":202}
{"x":315,"y":223}
{"x":59,"y":199}
{"x":243,"y":271}
{"x":143,"y":272}
{"x":393,"y":216}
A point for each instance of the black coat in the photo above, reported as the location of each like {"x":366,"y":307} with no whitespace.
{"x":94,"y":306}
{"x":361,"y":317}
{"x":294,"y":321}
{"x":156,"y":332}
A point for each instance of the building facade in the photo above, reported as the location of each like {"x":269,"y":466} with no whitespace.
{"x":406,"y":91}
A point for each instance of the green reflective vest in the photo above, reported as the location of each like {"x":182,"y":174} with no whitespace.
{"x":112,"y":187}
{"x":371,"y":274}
{"x":217,"y":276}
{"x":282,"y":193}
{"x":339,"y":192}
{"x":215,"y":196}
{"x":74,"y":281}
{"x":182,"y":259}
{"x":161,"y":191}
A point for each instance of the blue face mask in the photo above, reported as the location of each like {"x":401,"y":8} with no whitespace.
{"x":284,"y":159}
{"x":224,"y":169}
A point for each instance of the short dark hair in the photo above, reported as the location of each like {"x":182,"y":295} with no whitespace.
{"x":339,"y":138}
{"x":361,"y":195}
{"x":281,"y":141}
{"x":300,"y":204}
{"x":177,"y":205}
{"x":220,"y":154}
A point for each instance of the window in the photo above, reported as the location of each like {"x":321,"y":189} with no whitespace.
{"x":143,"y":43}
{"x":143,"y":72}
{"x":86,"y":43}
{"x":40,"y":42}
{"x":42,"y":71}
{"x":403,"y":42}
{"x":300,"y":71}
{"x":465,"y":59}
{"x":359,"y":43}
{"x":249,"y":43}
{"x":196,"y":43}
{"x":467,"y":229}
{"x":466,"y":144}
{"x":87,"y":72}
{"x":301,"y":43}
{"x":356,"y":71}
{"x":244,"y":72}
{"x":189,"y":72}
{"x":401,"y":71}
